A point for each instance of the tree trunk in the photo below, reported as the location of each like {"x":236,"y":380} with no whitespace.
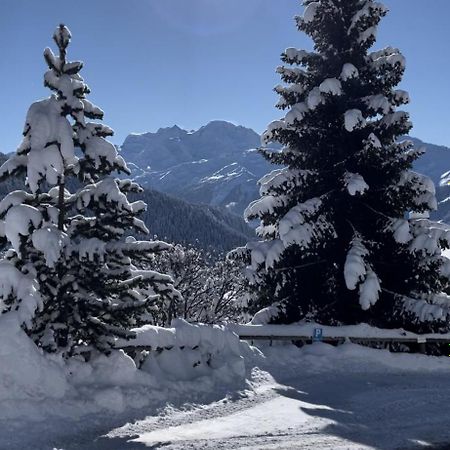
{"x":61,"y":206}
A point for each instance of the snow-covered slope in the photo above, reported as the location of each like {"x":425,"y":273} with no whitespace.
{"x":435,"y":163}
{"x":172,"y":146}
{"x":217,"y":164}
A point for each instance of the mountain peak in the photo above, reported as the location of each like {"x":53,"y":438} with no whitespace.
{"x":221,"y":123}
{"x":173,"y":145}
{"x":173,"y":130}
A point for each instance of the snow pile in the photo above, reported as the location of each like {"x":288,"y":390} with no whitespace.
{"x":348,"y":358}
{"x":26,"y":376}
{"x":265,"y":315}
{"x":186,"y":351}
{"x":187,"y":358}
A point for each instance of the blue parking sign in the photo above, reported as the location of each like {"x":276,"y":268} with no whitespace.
{"x":318,"y":334}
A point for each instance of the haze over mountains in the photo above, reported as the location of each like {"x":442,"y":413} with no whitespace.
{"x":219,"y":165}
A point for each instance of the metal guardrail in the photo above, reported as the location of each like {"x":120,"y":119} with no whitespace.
{"x":421,"y":341}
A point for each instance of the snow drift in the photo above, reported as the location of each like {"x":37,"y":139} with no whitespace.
{"x":35,"y":385}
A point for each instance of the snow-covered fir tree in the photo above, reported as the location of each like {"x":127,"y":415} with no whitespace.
{"x":344,"y":231}
{"x":71,"y":272}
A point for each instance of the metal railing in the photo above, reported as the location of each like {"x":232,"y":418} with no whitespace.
{"x":421,"y":341}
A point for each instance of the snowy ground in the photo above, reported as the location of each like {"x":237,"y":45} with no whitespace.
{"x":319,"y":397}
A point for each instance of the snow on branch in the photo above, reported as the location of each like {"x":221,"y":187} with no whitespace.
{"x":23,"y":288}
{"x":387,"y":58}
{"x":14,"y":165}
{"x":349,"y":71}
{"x":264,"y":205}
{"x":14,"y":198}
{"x":296,"y":113}
{"x":358,"y":272}
{"x":378,"y":103}
{"x":428,"y":307}
{"x":298,"y":227}
{"x":285,"y":177}
{"x":354,"y":119}
{"x":425,"y":191}
{"x":20,"y":221}
{"x":355,"y":266}
{"x":355,"y":183}
{"x":294,"y":56}
{"x":369,"y":10}
{"x":105,"y":191}
{"x":51,"y":242}
{"x":331,"y":86}
{"x":315,"y":97}
{"x":310,"y":12}
{"x":301,"y":225}
{"x":429,"y":237}
{"x":132,"y":246}
{"x":401,"y":230}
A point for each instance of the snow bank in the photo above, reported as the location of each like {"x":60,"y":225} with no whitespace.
{"x":186,"y":352}
{"x":325,"y":358}
{"x":188,"y":360}
{"x":26,"y":376}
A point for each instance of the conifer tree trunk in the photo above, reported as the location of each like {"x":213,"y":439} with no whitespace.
{"x":61,"y":205}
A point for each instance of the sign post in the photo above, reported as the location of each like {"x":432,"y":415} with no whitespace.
{"x":317,"y":335}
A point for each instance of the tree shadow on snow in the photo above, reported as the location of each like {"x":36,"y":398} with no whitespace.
{"x":383,"y":411}
{"x":91,"y":433}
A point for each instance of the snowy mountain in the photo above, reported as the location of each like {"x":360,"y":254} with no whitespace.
{"x":219,"y":165}
{"x":223,"y":172}
{"x":435,"y":162}
{"x":215,"y":165}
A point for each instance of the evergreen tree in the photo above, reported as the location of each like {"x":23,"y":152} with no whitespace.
{"x":70,"y":258}
{"x":345,"y":235}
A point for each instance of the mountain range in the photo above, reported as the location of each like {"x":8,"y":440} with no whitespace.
{"x":219,"y":165}
{"x":198,"y":183}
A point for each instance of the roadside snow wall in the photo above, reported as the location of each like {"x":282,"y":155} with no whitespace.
{"x":187,"y":360}
{"x":186,"y":351}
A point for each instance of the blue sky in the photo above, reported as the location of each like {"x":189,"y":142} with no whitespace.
{"x":155,"y":63}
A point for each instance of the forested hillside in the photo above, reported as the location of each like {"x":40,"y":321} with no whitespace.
{"x":179,"y":221}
